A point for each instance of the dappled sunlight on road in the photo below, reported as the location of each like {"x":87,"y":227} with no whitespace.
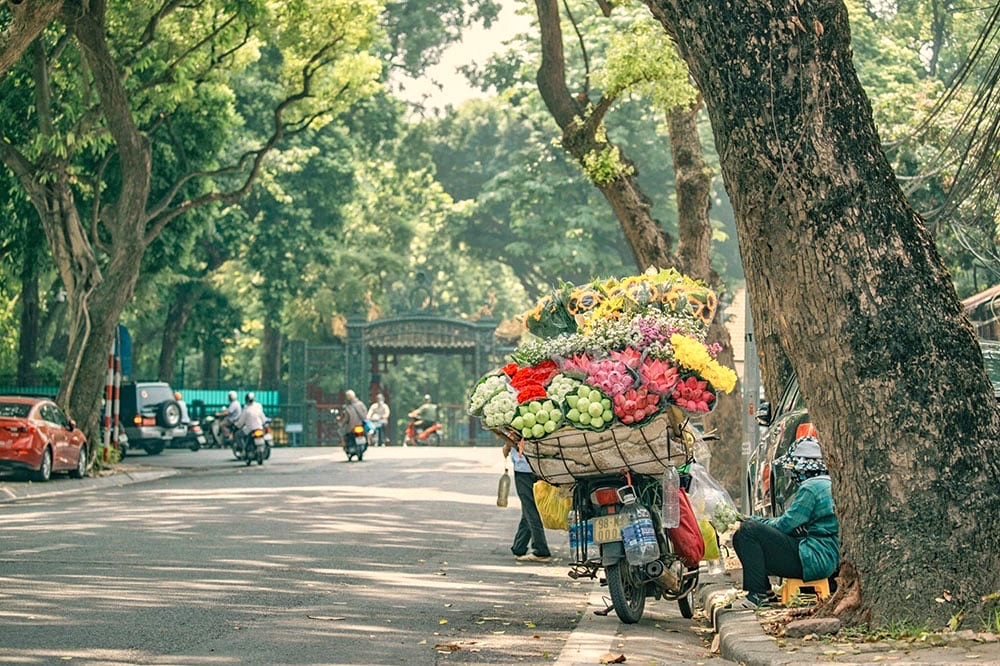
{"x":382,"y":561}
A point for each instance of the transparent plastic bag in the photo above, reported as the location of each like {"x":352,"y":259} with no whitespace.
{"x":710,"y":500}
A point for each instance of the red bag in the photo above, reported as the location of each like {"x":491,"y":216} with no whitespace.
{"x":686,"y":537}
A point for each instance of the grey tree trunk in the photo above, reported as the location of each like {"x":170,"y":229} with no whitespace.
{"x":846,"y":279}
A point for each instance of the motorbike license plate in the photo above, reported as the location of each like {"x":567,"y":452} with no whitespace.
{"x":360,"y":440}
{"x":609,"y":528}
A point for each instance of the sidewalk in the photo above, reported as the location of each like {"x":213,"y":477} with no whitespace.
{"x":742,"y":638}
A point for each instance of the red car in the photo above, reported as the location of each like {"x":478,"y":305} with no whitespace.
{"x":38,"y":438}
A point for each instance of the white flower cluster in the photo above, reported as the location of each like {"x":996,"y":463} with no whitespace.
{"x":560,"y":386}
{"x":485,"y":390}
{"x":499,"y":410}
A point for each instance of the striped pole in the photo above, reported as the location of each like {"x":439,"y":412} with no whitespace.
{"x":107,"y":402}
{"x":116,"y":400}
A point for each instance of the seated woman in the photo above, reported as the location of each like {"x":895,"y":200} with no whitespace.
{"x":804,"y":542}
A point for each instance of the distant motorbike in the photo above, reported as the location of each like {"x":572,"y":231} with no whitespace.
{"x":194,"y":436}
{"x":356,"y":443}
{"x":218,"y":432}
{"x":354,"y":440}
{"x":421,"y":432}
{"x":253,"y":446}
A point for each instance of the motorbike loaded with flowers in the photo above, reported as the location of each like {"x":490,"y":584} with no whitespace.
{"x":599,"y":398}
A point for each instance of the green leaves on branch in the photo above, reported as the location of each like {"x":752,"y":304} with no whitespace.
{"x":641,"y":59}
{"x":605,"y":166}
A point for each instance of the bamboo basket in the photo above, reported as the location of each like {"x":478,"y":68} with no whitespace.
{"x":571,"y":453}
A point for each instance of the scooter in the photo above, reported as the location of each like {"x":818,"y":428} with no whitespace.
{"x":356,"y":443}
{"x":599,"y":522}
{"x":422,"y":433}
{"x":253,"y":446}
{"x":218,"y":435}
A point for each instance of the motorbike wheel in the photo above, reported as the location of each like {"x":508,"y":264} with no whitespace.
{"x":434,"y":439}
{"x":628,"y":592}
{"x":686,"y":605}
{"x":260,"y":457}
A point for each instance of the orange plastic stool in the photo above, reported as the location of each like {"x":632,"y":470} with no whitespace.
{"x":792,"y":586}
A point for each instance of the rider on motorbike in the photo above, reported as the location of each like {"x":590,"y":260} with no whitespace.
{"x":229,"y":416}
{"x":251,"y":417}
{"x":426,"y":414}
{"x":378,"y":416}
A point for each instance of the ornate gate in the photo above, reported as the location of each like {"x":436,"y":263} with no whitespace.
{"x":318,"y":375}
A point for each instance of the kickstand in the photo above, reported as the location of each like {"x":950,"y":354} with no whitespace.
{"x":608,"y":607}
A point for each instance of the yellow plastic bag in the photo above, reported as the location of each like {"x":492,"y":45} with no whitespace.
{"x":553,"y":504}
{"x":710,"y":538}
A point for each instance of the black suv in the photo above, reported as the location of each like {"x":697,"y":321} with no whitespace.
{"x":151,"y":416}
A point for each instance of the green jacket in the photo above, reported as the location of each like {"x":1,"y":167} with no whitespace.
{"x":812,"y":508}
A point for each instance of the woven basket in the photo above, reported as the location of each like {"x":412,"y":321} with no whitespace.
{"x":569,"y":453}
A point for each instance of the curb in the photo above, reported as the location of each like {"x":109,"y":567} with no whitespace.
{"x":741,"y":637}
{"x":10,"y":493}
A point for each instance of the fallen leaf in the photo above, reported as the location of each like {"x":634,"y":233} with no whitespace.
{"x":329,"y":618}
{"x":608,"y":658}
{"x":447,"y":647}
{"x":442,"y":621}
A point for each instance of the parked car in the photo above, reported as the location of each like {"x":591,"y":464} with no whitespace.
{"x":771,"y":490}
{"x":37,"y":438}
{"x":151,"y":416}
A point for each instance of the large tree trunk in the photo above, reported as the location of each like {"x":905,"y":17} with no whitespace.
{"x":27,"y":353}
{"x":186,"y":295}
{"x":693,"y":181}
{"x":847,"y":278}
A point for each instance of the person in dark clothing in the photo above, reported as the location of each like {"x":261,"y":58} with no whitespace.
{"x":530,"y":530}
{"x":804,"y":542}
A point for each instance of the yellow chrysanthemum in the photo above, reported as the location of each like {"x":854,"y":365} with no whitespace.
{"x":694,"y":356}
{"x":719,"y":376}
{"x":689,"y":352}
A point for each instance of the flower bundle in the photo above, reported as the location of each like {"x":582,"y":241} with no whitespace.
{"x":628,"y":347}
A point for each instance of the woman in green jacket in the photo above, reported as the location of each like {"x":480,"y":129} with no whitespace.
{"x":804,"y":541}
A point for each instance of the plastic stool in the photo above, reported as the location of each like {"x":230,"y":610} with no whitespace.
{"x":791,"y":587}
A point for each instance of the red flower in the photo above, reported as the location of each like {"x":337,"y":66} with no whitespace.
{"x":509,"y":369}
{"x":529,"y":393}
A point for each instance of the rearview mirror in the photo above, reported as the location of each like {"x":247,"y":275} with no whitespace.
{"x":763,"y":415}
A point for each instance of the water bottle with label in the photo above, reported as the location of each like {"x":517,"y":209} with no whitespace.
{"x":638,"y":535}
{"x":576,"y":528}
{"x":671,"y":502}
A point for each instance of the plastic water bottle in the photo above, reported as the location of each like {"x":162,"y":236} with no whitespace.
{"x":576,"y":528}
{"x":671,"y":502}
{"x":639,"y":536}
{"x":503,"y":489}
{"x":573,"y":524}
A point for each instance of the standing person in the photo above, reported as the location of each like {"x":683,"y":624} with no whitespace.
{"x":185,"y":418}
{"x":530,"y":530}
{"x":378,"y":415}
{"x":803,"y":542}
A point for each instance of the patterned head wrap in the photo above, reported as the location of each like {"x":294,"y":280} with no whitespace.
{"x":804,"y":458}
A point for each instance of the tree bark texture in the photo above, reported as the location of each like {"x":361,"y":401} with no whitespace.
{"x":28,"y":20}
{"x":27,"y":352}
{"x":185,"y":296}
{"x":693,"y":183}
{"x":844,"y":276}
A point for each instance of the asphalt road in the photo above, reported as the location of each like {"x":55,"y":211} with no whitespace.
{"x":401,"y":559}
